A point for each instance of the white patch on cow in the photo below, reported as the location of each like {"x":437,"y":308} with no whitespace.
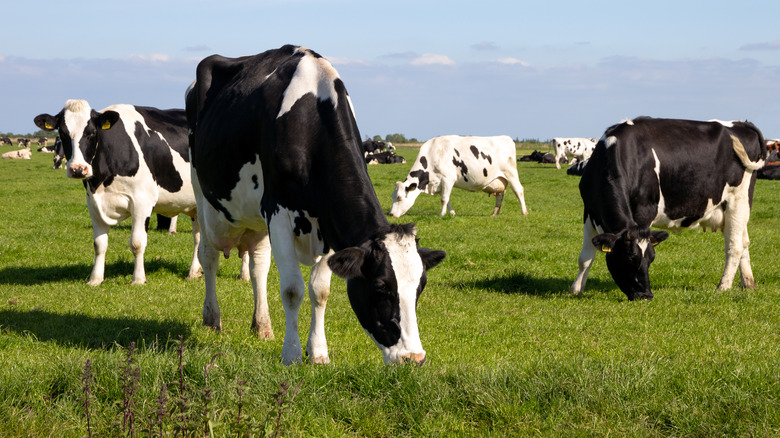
{"x":610,"y":141}
{"x":245,"y":197}
{"x":312,"y":76}
{"x":728,"y":124}
{"x":77,"y":115}
{"x":643,"y":245}
{"x":408,"y":269}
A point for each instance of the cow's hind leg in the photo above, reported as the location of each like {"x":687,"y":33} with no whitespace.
{"x":100,"y":243}
{"x":319,"y":290}
{"x":138,"y":247}
{"x":736,"y":243}
{"x":745,"y":270}
{"x":291,"y":285}
{"x":260,"y":265}
{"x":209,"y":259}
{"x":195,"y":268}
{"x":514,"y":182}
{"x":446,"y":191}
{"x":499,"y":201}
{"x":585,"y":259}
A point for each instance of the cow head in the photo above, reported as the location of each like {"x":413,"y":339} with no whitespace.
{"x":78,"y":126}
{"x":407,"y":191}
{"x":385,"y":277}
{"x":629,"y":255}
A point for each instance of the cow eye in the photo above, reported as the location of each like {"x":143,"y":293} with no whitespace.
{"x":411,"y":187}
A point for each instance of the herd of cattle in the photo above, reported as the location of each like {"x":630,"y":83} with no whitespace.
{"x":266,"y":158}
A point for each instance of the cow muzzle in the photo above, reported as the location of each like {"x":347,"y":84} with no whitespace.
{"x":415,"y":358}
{"x":79,"y":171}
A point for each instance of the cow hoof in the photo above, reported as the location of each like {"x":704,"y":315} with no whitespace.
{"x":143,"y":281}
{"x":320,"y":360}
{"x":95,"y":282}
{"x":264,"y":333}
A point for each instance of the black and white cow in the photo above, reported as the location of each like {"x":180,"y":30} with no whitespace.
{"x":6,"y":140}
{"x":276,"y":150}
{"x":386,"y":157}
{"x":484,"y":164}
{"x":59,"y":153}
{"x":133,"y":161}
{"x":650,"y":172}
{"x":575,"y":148}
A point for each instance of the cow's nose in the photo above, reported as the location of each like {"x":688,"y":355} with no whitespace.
{"x":416,"y":358}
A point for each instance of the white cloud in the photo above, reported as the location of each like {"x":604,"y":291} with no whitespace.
{"x":337,"y":60}
{"x":512,"y":61}
{"x":433,"y":59}
{"x":772,"y":45}
{"x":154,"y":57}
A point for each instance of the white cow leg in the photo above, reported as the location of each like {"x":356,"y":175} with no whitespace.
{"x":446,"y":191}
{"x":519,"y":192}
{"x":745,"y":269}
{"x":260,"y":263}
{"x":585,"y":259}
{"x":734,"y":230}
{"x":499,"y":201}
{"x":138,"y":247}
{"x":292,"y":287}
{"x":173,"y":225}
{"x":245,"y":274}
{"x":100,"y":243}
{"x":319,"y":290}
{"x":195,"y":268}
{"x":209,"y":259}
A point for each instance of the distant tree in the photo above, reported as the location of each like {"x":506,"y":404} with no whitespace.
{"x":396,"y":138}
{"x":377,"y":138}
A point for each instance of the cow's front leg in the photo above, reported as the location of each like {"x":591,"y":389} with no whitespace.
{"x":319,"y":290}
{"x":138,"y":247}
{"x":291,"y":285}
{"x":585,"y":259}
{"x":100,"y":244}
{"x":446,"y":191}
{"x":209,"y":259}
{"x":260,"y":265}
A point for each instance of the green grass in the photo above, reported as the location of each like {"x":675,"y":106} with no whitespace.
{"x":510,"y":353}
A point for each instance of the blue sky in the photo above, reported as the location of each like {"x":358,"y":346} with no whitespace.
{"x":537,"y":69}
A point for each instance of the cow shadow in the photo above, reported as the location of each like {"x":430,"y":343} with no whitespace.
{"x":523,"y":284}
{"x":92,"y":332}
{"x":30,"y":275}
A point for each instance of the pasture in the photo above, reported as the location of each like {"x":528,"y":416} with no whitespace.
{"x":510,"y":353}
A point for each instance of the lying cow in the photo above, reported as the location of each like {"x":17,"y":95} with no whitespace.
{"x":473,"y":163}
{"x":539,"y":157}
{"x":133,"y":161}
{"x":575,"y":148}
{"x":276,"y":151}
{"x":20,"y":154}
{"x":387,"y":157}
{"x":649,"y":172}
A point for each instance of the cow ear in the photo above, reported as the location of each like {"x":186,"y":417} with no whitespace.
{"x":46,"y":122}
{"x":657,"y":237}
{"x":431,"y":257}
{"x":107,"y":119}
{"x":347,"y":263}
{"x":605,"y":242}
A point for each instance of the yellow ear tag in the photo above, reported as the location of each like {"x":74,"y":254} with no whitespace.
{"x":605,"y":248}
{"x":106,"y":125}
{"x":656,"y":243}
{"x":48,"y":126}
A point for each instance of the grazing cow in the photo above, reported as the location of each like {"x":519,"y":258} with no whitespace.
{"x":372,"y":146}
{"x":42,"y":141}
{"x":649,"y":172}
{"x":19,"y":154}
{"x":25,"y":142}
{"x":577,"y":148}
{"x":133,"y":161}
{"x":6,"y":140}
{"x":387,"y":157}
{"x":59,"y":153}
{"x":472,"y":163}
{"x":276,"y":151}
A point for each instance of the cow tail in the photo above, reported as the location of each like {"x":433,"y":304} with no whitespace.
{"x":739,"y":149}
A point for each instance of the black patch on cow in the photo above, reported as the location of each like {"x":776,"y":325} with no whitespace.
{"x":486,"y":157}
{"x":457,"y":152}
{"x":424,"y":162}
{"x":484,"y":172}
{"x":302,"y":225}
{"x":422,"y":178}
{"x":462,"y":167}
{"x":110,"y":152}
{"x":157,"y":156}
{"x":255,"y":181}
{"x":171,"y":124}
{"x":474,"y":151}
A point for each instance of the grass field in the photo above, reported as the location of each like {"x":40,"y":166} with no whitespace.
{"x":510,"y":353}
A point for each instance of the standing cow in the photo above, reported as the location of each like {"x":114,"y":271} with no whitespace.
{"x":133,"y":161}
{"x":575,"y":148}
{"x":650,"y":172}
{"x":276,"y":150}
{"x":473,"y":163}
